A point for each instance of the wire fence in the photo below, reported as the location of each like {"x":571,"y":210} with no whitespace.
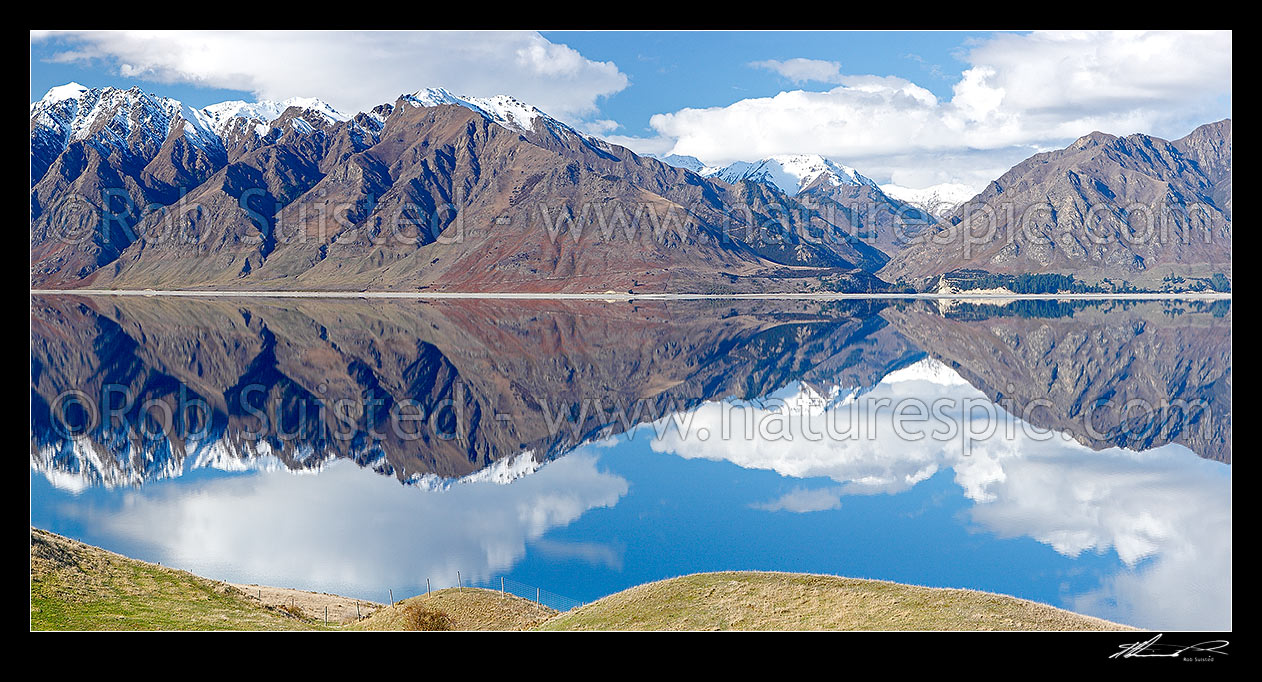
{"x":539,"y":595}
{"x":507,"y":586}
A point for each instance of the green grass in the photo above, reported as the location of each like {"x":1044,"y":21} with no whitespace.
{"x":749,"y":600}
{"x":79,"y":587}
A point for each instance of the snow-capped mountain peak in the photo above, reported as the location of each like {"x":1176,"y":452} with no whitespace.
{"x":505,"y":110}
{"x":127,"y":120}
{"x":265,"y":112}
{"x":937,"y":200}
{"x":793,"y":173}
{"x":61,"y":93}
{"x":135,"y":122}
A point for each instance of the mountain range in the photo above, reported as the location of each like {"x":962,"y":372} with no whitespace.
{"x":440,"y":192}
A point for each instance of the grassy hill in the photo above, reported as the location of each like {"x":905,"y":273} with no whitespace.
{"x":795,"y":601}
{"x":80,"y":587}
{"x":466,"y":609}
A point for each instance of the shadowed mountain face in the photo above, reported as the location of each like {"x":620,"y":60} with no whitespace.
{"x":129,"y":390}
{"x":874,"y":217}
{"x":1133,"y":208}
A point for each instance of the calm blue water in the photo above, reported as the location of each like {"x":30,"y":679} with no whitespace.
{"x":839,"y":440}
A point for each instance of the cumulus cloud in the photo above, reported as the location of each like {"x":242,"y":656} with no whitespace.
{"x":1020,"y":94}
{"x":799,"y":70}
{"x":356,"y":70}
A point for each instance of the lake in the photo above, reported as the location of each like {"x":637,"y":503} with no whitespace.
{"x":1075,"y":453}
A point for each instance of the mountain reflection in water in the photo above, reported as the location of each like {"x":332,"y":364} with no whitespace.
{"x":1088,"y":442}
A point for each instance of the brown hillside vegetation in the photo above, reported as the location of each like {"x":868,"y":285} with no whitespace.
{"x":467,"y":609}
{"x":749,"y":600}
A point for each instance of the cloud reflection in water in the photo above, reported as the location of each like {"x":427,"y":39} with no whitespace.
{"x":317,"y":532}
{"x":1164,"y":511}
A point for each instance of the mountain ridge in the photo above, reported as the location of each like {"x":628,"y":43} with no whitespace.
{"x":1103,"y":208}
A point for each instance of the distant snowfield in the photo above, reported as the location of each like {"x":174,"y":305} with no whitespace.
{"x":937,"y":200}
{"x":792,"y":173}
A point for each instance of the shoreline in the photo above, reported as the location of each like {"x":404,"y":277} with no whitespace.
{"x":614,"y":296}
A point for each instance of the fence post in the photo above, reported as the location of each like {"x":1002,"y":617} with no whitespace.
{"x":392,"y":596}
{"x":427,"y":587}
{"x":537,"y":596}
{"x":459,"y":584}
{"x":501,"y":587}
{"x":357,"y":614}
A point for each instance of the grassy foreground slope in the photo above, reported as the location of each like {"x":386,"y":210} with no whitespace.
{"x":80,"y":587}
{"x":469,"y":608}
{"x":750,"y":600}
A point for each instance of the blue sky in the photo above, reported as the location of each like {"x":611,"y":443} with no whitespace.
{"x":913,"y":108}
{"x":671,"y":70}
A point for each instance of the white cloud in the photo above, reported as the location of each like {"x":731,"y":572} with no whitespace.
{"x":804,"y":500}
{"x":600,"y":127}
{"x":801,"y":70}
{"x":642,"y":145}
{"x":356,"y":70}
{"x":1020,"y":94}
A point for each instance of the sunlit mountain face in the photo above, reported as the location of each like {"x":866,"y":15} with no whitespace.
{"x":1075,"y":453}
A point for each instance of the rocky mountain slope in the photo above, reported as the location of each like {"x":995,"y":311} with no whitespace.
{"x":1134,"y":208}
{"x":433,"y":191}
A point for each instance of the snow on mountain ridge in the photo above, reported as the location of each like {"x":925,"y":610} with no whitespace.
{"x":686,"y":162}
{"x":266,"y":112}
{"x":937,"y":200}
{"x":793,"y":173}
{"x":60,"y":93}
{"x":505,"y":110}
{"x":111,"y":116}
{"x":115,"y":119}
